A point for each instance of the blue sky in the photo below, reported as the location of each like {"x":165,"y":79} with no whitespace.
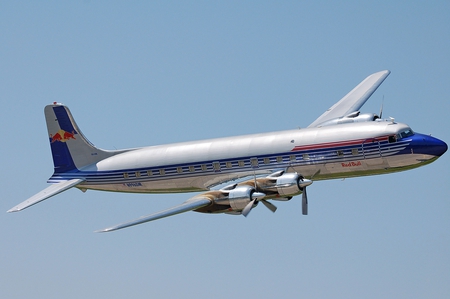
{"x":151,"y":73}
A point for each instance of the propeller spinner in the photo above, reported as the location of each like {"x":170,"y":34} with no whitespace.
{"x":257,"y":197}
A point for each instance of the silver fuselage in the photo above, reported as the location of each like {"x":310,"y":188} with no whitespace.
{"x":328,"y":152}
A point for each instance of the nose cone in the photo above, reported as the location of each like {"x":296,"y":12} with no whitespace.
{"x":436,"y":146}
{"x":429,"y":145}
{"x":442,"y":147}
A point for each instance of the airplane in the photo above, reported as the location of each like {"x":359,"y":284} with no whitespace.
{"x":341,"y":143}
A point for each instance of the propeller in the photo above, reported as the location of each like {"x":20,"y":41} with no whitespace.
{"x":381,"y":108}
{"x":304,"y":202}
{"x":303,"y":183}
{"x":269,"y":205}
{"x":248,"y":208}
{"x":258,"y":197}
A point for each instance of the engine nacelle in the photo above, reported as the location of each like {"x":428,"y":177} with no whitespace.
{"x":241,"y":196}
{"x":231,"y":200}
{"x":354,"y":117}
{"x":289,"y":184}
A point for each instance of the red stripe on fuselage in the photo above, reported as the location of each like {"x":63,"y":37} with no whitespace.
{"x":338,"y":144}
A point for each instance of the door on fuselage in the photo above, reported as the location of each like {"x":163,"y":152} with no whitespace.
{"x":371,"y":149}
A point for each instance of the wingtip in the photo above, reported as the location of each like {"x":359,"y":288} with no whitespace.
{"x":104,"y":230}
{"x":384,"y":73}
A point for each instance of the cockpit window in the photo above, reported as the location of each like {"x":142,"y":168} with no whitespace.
{"x":392,"y":138}
{"x":406,"y":133}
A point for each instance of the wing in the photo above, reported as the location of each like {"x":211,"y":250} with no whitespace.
{"x":46,"y":193}
{"x":354,"y":100}
{"x":193,"y":204}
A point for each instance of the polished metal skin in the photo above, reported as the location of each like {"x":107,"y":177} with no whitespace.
{"x":341,"y":143}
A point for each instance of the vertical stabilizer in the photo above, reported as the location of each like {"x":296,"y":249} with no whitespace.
{"x":70,"y":149}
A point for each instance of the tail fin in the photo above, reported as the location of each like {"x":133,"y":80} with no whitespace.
{"x":70,"y":149}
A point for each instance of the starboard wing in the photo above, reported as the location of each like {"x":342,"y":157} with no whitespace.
{"x":354,"y":100}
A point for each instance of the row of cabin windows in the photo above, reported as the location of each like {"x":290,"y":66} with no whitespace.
{"x":355,"y":152}
{"x":253,"y":162}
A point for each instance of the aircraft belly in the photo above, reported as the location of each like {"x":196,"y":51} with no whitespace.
{"x":145,"y":187}
{"x":408,"y":159}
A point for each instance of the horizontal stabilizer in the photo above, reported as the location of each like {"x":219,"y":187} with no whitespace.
{"x":184,"y":207}
{"x":46,"y":193}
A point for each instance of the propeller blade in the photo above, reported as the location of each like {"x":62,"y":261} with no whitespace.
{"x":248,"y":208}
{"x":381,"y":109}
{"x":304,"y":202}
{"x":269,"y":205}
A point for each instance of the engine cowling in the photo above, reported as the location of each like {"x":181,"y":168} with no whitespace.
{"x":289,"y":184}
{"x":241,"y":196}
{"x":231,"y":200}
{"x":281,"y":185}
{"x":354,"y":117}
{"x":237,"y":198}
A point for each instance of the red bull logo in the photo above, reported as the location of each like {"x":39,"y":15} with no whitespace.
{"x":62,"y":136}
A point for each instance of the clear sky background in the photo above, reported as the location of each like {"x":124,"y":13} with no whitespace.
{"x":140,"y":73}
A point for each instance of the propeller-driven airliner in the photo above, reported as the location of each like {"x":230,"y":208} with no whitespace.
{"x":341,"y":143}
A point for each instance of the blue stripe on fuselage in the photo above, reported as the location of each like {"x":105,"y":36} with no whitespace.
{"x":316,"y":156}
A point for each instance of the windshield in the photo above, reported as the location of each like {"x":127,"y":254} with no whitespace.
{"x":405,"y":133}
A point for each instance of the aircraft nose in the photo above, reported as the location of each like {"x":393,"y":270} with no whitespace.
{"x":433,"y":146}
{"x":441,"y":147}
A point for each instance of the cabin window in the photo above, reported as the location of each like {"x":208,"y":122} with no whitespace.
{"x":355,"y":151}
{"x":305,"y":157}
{"x":179,"y":169}
{"x":138,"y":174}
{"x":392,"y":139}
{"x":292,"y":158}
{"x":204,"y":168}
{"x":340,"y":153}
{"x":162,"y":172}
{"x":228,"y":165}
{"x":254,"y":162}
{"x":216,"y":166}
{"x":126,"y":175}
{"x":149,"y":173}
{"x":266,"y":161}
{"x":241,"y":163}
{"x":279,"y":159}
{"x":191,"y":168}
